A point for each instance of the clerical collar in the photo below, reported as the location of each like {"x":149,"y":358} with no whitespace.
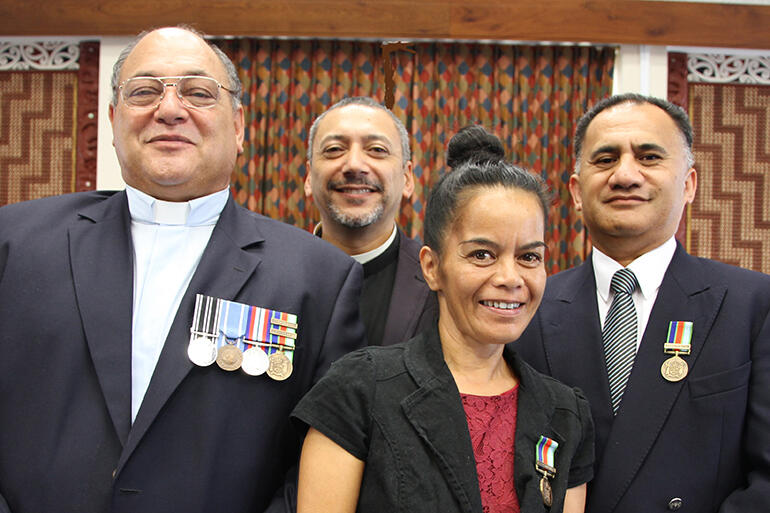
{"x":203,"y":211}
{"x":362,"y":258}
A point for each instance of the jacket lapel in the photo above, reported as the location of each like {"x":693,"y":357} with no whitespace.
{"x":409,"y":294}
{"x":684,"y":295}
{"x":572,"y":309}
{"x":436,"y":413}
{"x":533,"y":400}
{"x":225,"y":267}
{"x":101,"y":256}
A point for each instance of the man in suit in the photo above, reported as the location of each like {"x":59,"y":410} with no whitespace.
{"x":680,"y":386}
{"x":101,"y":405}
{"x":359,"y":172}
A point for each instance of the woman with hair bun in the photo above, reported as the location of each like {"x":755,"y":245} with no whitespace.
{"x":453,"y":420}
{"x":473,"y":144}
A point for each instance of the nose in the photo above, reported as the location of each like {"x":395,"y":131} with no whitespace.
{"x":356,"y":160}
{"x":507,"y":274}
{"x":626,"y":174}
{"x":170,"y":110}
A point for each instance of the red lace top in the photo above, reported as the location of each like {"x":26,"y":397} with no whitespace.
{"x":492,"y":424}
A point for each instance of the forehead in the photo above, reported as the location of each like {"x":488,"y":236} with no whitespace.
{"x":171,"y":52}
{"x":630,"y":123}
{"x":356,"y":121}
{"x":499,"y":209}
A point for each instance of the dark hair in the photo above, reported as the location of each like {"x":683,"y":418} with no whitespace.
{"x":364,"y":101}
{"x":675,"y":112}
{"x":473,"y":144}
{"x":451,"y":192}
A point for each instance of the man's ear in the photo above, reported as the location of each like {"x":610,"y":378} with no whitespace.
{"x":429,"y":262}
{"x":408,"y":180}
{"x":308,"y":182}
{"x":574,"y":190}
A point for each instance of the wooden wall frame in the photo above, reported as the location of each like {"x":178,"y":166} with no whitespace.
{"x":595,"y":21}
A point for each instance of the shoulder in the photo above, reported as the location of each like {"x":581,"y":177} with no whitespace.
{"x":379,"y":363}
{"x":52,"y":205}
{"x":50,"y":213}
{"x":561,"y":396}
{"x":745,"y":290}
{"x":570,"y":281}
{"x":292,"y":245}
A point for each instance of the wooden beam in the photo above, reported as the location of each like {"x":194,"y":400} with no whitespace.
{"x":596,"y":21}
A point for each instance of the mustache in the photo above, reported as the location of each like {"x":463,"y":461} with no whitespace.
{"x":354,"y":180}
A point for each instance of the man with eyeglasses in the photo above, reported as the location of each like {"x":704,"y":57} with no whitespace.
{"x":153,"y":341}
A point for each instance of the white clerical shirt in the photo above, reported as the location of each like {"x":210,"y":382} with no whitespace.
{"x":168,"y":239}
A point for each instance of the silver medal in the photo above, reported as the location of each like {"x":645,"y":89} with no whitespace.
{"x":255,"y":361}
{"x":202,"y":351}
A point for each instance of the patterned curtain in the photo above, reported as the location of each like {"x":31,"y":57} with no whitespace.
{"x":529,"y":96}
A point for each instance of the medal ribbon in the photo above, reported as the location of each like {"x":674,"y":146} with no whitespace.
{"x":233,"y":324}
{"x":679,"y":337}
{"x":545,"y":454}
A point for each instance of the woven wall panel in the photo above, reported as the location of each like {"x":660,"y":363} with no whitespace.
{"x":730,"y":218}
{"x":37,"y":134}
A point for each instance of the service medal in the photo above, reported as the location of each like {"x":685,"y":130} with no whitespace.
{"x":229,"y":357}
{"x":546,"y":491}
{"x":545,"y":463}
{"x":674,"y":369}
{"x":677,"y":343}
{"x":280,"y":366}
{"x":202,"y":351}
{"x":255,"y":361}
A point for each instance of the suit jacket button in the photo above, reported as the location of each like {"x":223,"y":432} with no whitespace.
{"x":674,"y":504}
{"x":114,"y":473}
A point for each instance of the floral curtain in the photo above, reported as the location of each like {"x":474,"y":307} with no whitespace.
{"x":529,"y":96}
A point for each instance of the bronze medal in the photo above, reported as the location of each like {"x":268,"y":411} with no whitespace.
{"x":280,"y":366}
{"x":202,"y":351}
{"x":674,"y":369}
{"x":546,"y":491}
{"x":229,"y":357}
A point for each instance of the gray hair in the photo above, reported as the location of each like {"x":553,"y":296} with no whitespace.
{"x":366,"y":102}
{"x":675,"y":112}
{"x":234,"y":83}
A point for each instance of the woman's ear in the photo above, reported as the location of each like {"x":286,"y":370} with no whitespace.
{"x":429,"y":262}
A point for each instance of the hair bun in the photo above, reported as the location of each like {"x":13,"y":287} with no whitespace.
{"x":473,"y":144}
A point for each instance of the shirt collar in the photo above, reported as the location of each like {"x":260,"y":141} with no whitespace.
{"x":362,"y":258}
{"x":203,"y":211}
{"x":648,"y":268}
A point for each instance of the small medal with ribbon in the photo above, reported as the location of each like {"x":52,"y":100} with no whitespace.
{"x":677,"y":343}
{"x":545,"y":463}
{"x":235,"y":335}
{"x":202,"y":349}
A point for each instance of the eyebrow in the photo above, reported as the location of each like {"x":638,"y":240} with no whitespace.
{"x":196,"y":72}
{"x":367,"y":138}
{"x":614,"y":148}
{"x":486,"y":242}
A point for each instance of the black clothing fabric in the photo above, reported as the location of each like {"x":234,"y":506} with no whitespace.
{"x":398,"y":409}
{"x":379,"y":275}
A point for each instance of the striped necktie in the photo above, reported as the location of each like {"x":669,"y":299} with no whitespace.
{"x":619,"y":334}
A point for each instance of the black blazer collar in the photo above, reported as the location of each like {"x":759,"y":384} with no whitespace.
{"x":436,"y":413}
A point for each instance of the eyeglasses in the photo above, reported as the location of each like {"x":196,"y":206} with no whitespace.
{"x":193,"y":91}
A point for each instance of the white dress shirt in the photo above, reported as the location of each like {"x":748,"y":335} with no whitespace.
{"x":649,"y":270}
{"x":168,"y":240}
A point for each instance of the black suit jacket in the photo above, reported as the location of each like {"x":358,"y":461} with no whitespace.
{"x":204,"y":439}
{"x":704,"y":440}
{"x":413,"y":306}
